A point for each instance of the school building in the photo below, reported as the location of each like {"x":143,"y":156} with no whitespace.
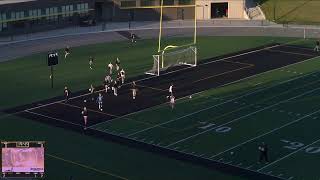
{"x":22,"y":16}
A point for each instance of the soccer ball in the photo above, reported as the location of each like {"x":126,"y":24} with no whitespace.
{"x":190,"y":97}
{"x":89,"y":89}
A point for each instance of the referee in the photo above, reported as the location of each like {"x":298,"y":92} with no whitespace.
{"x":263,"y":151}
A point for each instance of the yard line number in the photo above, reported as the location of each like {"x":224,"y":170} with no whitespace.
{"x":297,"y":145}
{"x":222,"y":129}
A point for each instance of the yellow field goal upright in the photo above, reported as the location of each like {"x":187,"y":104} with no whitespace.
{"x":174,"y":54}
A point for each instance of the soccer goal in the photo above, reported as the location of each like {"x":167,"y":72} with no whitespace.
{"x":186,"y":56}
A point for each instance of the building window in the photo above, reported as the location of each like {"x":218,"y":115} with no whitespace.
{"x":168,"y":2}
{"x":17,"y":15}
{"x":3,"y":24}
{"x":83,"y":8}
{"x":186,"y":2}
{"x":52,"y":13}
{"x":128,"y":3}
{"x":147,"y":3}
{"x":35,"y":14}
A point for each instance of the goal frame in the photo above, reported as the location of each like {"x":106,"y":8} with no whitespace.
{"x":159,"y":61}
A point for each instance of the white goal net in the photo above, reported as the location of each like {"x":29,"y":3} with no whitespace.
{"x":175,"y":57}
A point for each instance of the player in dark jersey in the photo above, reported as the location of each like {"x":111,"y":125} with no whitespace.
{"x":263,"y":149}
{"x":91,"y":59}
{"x":317,"y":48}
{"x":85,"y":117}
{"x":66,"y":52}
{"x":118,"y":80}
{"x":133,"y":38}
{"x":91,"y":90}
{"x":66,"y":94}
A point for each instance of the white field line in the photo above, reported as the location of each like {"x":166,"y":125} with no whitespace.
{"x":301,"y":48}
{"x":237,"y":119}
{"x":267,"y":133}
{"x":56,"y":119}
{"x":216,"y":105}
{"x":216,"y":75}
{"x":223,"y":59}
{"x":192,"y":154}
{"x":152,"y":77}
{"x":293,"y":53}
{"x":264,"y":100}
{"x":284,"y":157}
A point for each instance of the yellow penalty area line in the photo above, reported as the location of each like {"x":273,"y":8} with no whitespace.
{"x":158,"y":7}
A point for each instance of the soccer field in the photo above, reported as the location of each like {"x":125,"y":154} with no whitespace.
{"x":223,"y":125}
{"x":279,"y":107}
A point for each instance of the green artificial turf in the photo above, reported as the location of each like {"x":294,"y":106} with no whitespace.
{"x":281,"y":113}
{"x":27,"y":80}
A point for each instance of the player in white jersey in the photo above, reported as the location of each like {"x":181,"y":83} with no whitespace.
{"x":115,"y":88}
{"x":134,"y":90}
{"x":110,"y":66}
{"x":122,"y":75}
{"x":85,"y":117}
{"x":66,"y":52}
{"x":170,"y":91}
{"x":117,"y":64}
{"x":172,"y":101}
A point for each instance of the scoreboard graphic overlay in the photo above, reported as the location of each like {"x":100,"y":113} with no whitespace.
{"x":22,"y":159}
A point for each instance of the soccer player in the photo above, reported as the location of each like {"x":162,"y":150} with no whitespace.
{"x":66,"y":94}
{"x":85,"y":117}
{"x":66,"y":52}
{"x":263,"y":149}
{"x":134,"y":90}
{"x":172,"y":101}
{"x":133,"y":38}
{"x":110,"y":66}
{"x":99,"y":101}
{"x":107,"y":82}
{"x":117,"y":64}
{"x":91,"y":90}
{"x":122,"y":75}
{"x":91,"y":59}
{"x":118,"y":80}
{"x":171,"y":90}
{"x":317,"y":46}
{"x":115,"y":88}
